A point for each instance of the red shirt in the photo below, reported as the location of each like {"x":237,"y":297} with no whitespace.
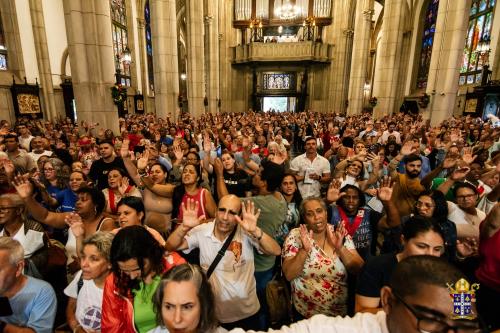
{"x":134,"y":140}
{"x":489,"y":267}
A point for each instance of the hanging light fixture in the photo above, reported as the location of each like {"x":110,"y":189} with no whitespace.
{"x":287,"y":11}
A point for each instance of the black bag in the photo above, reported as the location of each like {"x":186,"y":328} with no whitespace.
{"x":221,"y":253}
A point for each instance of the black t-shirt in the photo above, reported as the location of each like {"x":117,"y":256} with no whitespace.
{"x":237,"y":183}
{"x":375,"y":274}
{"x":99,"y":171}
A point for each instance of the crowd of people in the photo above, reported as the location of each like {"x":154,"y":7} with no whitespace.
{"x":183,"y":225}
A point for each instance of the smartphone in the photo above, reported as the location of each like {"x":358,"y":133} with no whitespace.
{"x":219,"y":151}
{"x":5,"y":309}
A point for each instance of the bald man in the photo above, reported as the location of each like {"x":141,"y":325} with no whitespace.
{"x":233,"y":279}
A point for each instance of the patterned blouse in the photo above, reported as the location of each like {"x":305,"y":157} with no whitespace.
{"x":321,"y":288}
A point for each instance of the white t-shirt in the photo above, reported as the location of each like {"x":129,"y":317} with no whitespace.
{"x":467,"y":224}
{"x":232,"y":281}
{"x":36,"y":156}
{"x":303,"y":166}
{"x":88,"y":304}
{"x":360,"y":323}
{"x":31,"y":241}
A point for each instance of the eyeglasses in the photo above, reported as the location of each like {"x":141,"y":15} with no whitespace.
{"x":6,"y":208}
{"x":421,"y":204}
{"x":431,"y":325}
{"x":467,"y":196}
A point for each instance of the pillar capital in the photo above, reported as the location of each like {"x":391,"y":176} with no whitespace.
{"x":368,"y":14}
{"x":348,"y":33}
{"x":208,"y":19}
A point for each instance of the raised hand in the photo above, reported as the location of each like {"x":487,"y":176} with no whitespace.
{"x":9,"y":167}
{"x":408,"y":149}
{"x":207,"y":144}
{"x":142,"y":162}
{"x":124,"y":150}
{"x":306,"y":238}
{"x":249,"y":217}
{"x":178,"y":152}
{"x":384,"y":193}
{"x":23,"y":187}
{"x":218,"y":167}
{"x":190,"y":217}
{"x":459,"y":173}
{"x":467,"y":156}
{"x":74,"y":221}
{"x":333,"y":194}
{"x":124,"y":186}
{"x":336,"y":237}
{"x":467,"y":247}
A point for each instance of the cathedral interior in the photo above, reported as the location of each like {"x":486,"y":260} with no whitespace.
{"x":99,"y":60}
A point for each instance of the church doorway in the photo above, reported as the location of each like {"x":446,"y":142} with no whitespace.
{"x":279,"y":103}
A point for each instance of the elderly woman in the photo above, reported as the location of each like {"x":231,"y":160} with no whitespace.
{"x":15,"y":224}
{"x":317,"y":259}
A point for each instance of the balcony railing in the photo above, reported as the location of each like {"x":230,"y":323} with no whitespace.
{"x":308,"y":51}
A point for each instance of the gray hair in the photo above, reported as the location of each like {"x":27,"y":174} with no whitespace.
{"x":305,"y":201}
{"x":102,"y":241}
{"x":14,"y":197}
{"x":14,"y":248}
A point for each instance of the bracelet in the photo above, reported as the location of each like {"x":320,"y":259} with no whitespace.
{"x":261,"y":235}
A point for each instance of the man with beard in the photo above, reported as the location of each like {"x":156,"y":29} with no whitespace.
{"x":100,"y":168}
{"x":407,"y":186}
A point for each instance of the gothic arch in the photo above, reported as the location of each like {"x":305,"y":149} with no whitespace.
{"x":64,"y":62}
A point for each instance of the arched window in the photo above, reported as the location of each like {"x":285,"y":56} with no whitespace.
{"x":120,"y":39}
{"x":427,"y":41}
{"x":149,"y":46}
{"x":479,"y":31}
{"x":3,"y":49}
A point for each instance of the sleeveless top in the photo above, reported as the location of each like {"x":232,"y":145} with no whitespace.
{"x":199,"y":197}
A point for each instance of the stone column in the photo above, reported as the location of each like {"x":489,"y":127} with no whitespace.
{"x":165,"y":63}
{"x":88,"y":27}
{"x":340,"y":33}
{"x":360,"y":54}
{"x":385,"y":83}
{"x":195,"y":61}
{"x":42,"y":56}
{"x":447,"y":51}
{"x":212,"y":35}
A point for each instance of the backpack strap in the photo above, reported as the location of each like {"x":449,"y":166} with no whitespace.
{"x":221,"y":253}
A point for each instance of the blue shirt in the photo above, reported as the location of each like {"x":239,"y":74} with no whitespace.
{"x":67,"y":200}
{"x":33,"y":306}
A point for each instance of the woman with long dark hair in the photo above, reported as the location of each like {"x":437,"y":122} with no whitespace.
{"x":137,"y":263}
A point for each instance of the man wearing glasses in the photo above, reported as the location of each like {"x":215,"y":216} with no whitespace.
{"x":464,"y":212}
{"x":418,"y":300}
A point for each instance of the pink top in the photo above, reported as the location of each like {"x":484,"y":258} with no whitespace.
{"x":489,"y":267}
{"x":198,"y":197}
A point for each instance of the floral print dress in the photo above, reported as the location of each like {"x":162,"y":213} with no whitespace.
{"x":321,"y":288}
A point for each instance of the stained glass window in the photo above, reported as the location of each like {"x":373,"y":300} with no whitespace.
{"x":478,"y":31}
{"x":3,"y":49}
{"x":278,"y":81}
{"x":427,"y":41}
{"x":149,"y":46}
{"x":120,"y":38}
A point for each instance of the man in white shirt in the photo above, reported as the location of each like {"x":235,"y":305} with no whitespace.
{"x":233,"y":280}
{"x":391,"y":131}
{"x":310,"y":169}
{"x":417,"y":301}
{"x":38,"y":150}
{"x":25,"y":137}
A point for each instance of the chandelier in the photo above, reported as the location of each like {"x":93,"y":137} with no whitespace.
{"x":287,"y":11}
